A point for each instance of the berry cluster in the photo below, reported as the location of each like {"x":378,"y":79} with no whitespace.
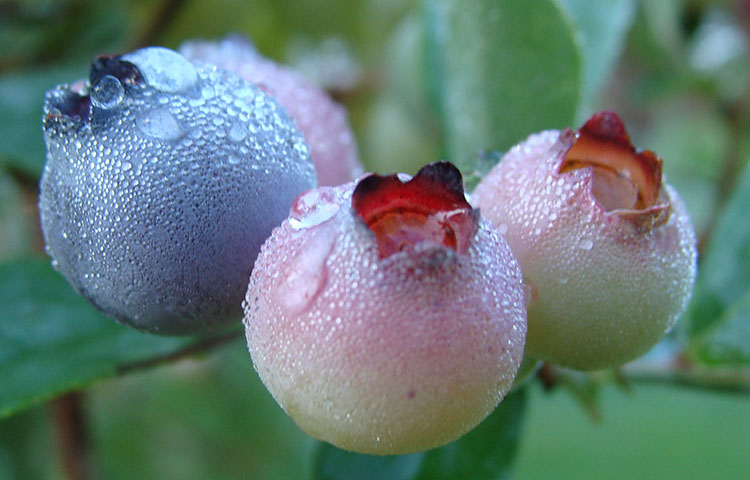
{"x":385,"y":314}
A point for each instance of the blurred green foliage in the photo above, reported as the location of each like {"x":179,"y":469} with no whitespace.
{"x":422,"y":79}
{"x":53,"y":341}
{"x":498,"y":71}
{"x":487,"y":452}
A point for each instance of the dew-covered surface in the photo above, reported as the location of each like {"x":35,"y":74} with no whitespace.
{"x":323,"y":122}
{"x":155,"y":202}
{"x":389,"y":355}
{"x":606,"y":286}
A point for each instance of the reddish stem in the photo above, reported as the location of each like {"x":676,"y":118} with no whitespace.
{"x":71,"y":435}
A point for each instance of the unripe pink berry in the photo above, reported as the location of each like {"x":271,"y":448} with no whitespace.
{"x":606,"y":246}
{"x":323,"y":122}
{"x":387,"y":318}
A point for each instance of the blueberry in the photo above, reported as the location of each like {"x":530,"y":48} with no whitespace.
{"x":323,"y":122}
{"x":162,"y":181}
{"x":604,"y":242}
{"x":387,"y":317}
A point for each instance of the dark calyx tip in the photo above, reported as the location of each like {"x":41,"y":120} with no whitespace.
{"x":125,"y":72}
{"x":63,"y":102}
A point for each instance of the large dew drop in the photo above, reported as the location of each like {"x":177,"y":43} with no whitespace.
{"x":160,"y":124}
{"x":312,"y":208}
{"x":164,"y":69}
{"x":237,"y":132}
{"x":307,"y":274}
{"x":107,"y":92}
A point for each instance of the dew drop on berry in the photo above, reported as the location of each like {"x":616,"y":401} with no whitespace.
{"x":312,"y":208}
{"x":586,"y":244}
{"x":308,"y":276}
{"x":237,"y":132}
{"x":164,"y":69}
{"x":159,"y":123}
{"x":107,"y":92}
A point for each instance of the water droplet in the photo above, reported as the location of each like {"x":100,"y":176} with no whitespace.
{"x":586,"y":244}
{"x":126,"y":166}
{"x":502,"y":228}
{"x":160,"y":124}
{"x":312,"y":208}
{"x":315,"y":217}
{"x":196,"y":102}
{"x":207,"y":92}
{"x":562,"y":280}
{"x":237,"y":132}
{"x":164,"y":69}
{"x":107,"y":92}
{"x":307,"y":200}
{"x":307,"y":274}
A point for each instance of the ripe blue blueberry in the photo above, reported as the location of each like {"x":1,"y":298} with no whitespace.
{"x":323,"y":122}
{"x":162,"y":181}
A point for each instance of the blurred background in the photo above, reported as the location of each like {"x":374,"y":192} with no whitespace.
{"x":678,"y":72}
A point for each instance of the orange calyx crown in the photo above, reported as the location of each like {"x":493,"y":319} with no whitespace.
{"x":625,"y":180}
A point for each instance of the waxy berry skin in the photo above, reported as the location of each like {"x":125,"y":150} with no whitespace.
{"x":388,"y":341}
{"x":606,"y":246}
{"x":161,"y":183}
{"x":323,"y":122}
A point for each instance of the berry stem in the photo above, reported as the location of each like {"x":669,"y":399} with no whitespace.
{"x":674,"y":370}
{"x":164,"y":15}
{"x":72,"y":436}
{"x":725,"y":379}
{"x":201,"y":346}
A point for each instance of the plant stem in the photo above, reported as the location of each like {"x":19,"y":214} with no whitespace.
{"x":72,"y":436}
{"x":722,"y":379}
{"x":665,"y":370}
{"x":201,"y":346}
{"x":165,"y":14}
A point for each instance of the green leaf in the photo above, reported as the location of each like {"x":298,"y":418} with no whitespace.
{"x":15,"y":223}
{"x":52,"y":341}
{"x":21,"y":99}
{"x":215,"y":412}
{"x":479,"y":165}
{"x":692,"y":163}
{"x":499,"y":70}
{"x":40,"y":30}
{"x":663,"y":21}
{"x":336,"y":464}
{"x":70,"y":34}
{"x":724,"y":274}
{"x":603,"y":26}
{"x":25,"y":444}
{"x":729,"y":342}
{"x":487,"y":452}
